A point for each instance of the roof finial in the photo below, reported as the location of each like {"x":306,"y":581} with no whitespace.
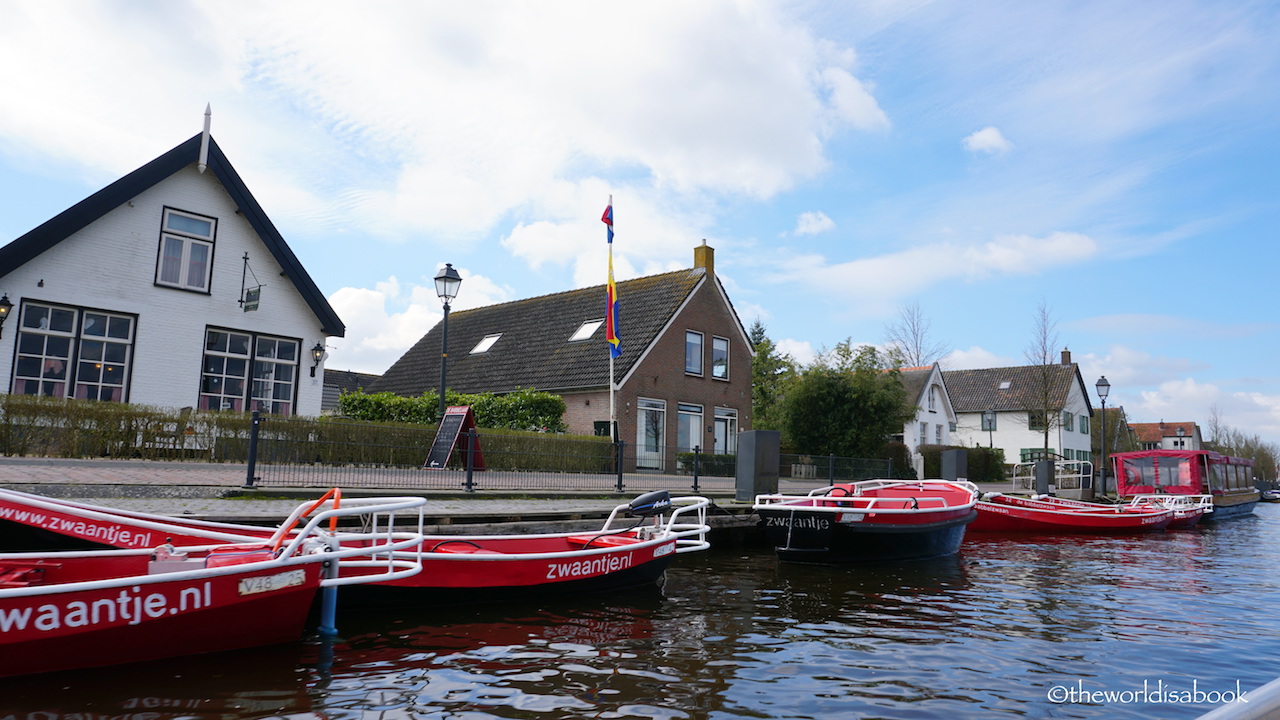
{"x":204,"y":139}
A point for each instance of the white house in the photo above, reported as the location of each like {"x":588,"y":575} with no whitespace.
{"x":1015,"y":398}
{"x":935,"y":417}
{"x":169,"y":287}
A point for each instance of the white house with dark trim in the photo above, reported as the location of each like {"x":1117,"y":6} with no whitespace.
{"x":138,"y":294}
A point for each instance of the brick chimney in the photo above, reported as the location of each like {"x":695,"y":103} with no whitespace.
{"x":1066,"y":356}
{"x":704,"y":256}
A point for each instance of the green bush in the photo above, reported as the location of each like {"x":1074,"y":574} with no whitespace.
{"x":985,"y":464}
{"x":523,"y":409}
{"x":709,"y":464}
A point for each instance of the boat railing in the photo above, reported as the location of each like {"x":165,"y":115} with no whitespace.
{"x":1067,"y":475}
{"x":858,"y":497}
{"x":1174,"y":502}
{"x":377,"y":545}
{"x":686,"y":522}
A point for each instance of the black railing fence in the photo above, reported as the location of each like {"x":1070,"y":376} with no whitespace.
{"x":288,"y":452}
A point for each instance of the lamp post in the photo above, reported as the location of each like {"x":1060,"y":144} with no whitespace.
{"x":447,"y":282}
{"x":1104,"y":389}
{"x":989,"y":424}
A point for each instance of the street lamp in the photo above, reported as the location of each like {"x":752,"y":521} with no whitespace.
{"x":1104,"y":389}
{"x":447,"y":282}
{"x":989,"y":424}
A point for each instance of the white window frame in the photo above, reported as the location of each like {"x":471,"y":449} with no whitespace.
{"x":97,"y":360}
{"x":689,"y":427}
{"x":720,"y":372}
{"x":191,"y":243}
{"x":485,"y":343}
{"x":693,"y":361}
{"x":651,"y":415}
{"x":586,"y":330}
{"x":726,"y":425}
{"x":262,"y":378}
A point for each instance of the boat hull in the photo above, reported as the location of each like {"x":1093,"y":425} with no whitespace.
{"x":823,"y":537}
{"x":1228,"y":507}
{"x":1006,"y":514}
{"x":132,"y":623}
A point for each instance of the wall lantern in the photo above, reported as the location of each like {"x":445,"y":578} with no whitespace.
{"x":5,"y":307}
{"x":317,"y":354}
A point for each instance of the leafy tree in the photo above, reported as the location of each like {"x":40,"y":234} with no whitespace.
{"x":772,"y":372}
{"x":846,"y":404}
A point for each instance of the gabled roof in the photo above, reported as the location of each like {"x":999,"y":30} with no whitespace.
{"x":1011,"y":388}
{"x":915,"y":381}
{"x":80,"y":215}
{"x":1155,"y":432}
{"x":534,"y":350}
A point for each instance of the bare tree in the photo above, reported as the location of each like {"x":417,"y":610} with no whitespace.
{"x":1044,"y":399}
{"x":912,"y":344}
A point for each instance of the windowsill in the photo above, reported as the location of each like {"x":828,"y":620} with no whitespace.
{"x":196,"y":291}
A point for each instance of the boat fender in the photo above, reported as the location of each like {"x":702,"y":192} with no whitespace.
{"x":992,"y":495}
{"x":650,"y":504}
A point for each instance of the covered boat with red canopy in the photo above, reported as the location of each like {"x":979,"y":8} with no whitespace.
{"x":1229,"y":480}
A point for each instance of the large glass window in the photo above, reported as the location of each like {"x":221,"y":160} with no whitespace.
{"x":720,"y":358}
{"x":243,"y":371}
{"x":186,"y":250}
{"x":73,"y":352}
{"x":689,"y":429}
{"x":726,"y":431}
{"x":693,"y":352}
{"x":651,"y":428}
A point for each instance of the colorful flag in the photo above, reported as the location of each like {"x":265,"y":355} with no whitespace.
{"x":611,"y":309}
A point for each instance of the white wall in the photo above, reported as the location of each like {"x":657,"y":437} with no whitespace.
{"x":111,"y":264}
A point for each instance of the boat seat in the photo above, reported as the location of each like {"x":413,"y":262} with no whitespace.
{"x":18,"y":573}
{"x":601,"y":541}
{"x":461,"y":547}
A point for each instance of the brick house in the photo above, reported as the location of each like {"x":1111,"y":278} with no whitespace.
{"x":137,"y":294}
{"x":1167,"y":436}
{"x":683,"y":379}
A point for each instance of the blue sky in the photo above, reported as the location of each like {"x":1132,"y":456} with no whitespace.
{"x":1115,"y":161}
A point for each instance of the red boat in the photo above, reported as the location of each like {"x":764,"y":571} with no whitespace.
{"x":1002,"y":513}
{"x":1228,"y":480}
{"x":456,"y":568}
{"x":71,"y":610}
{"x":869,"y":520}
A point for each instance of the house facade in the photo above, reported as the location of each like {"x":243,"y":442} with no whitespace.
{"x":1014,"y":401}
{"x":683,"y":379}
{"x":935,"y":418}
{"x":1167,"y":436}
{"x":138,"y":294}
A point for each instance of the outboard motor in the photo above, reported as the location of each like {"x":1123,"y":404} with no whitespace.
{"x":650,"y":504}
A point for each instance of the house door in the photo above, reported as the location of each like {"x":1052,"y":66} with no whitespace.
{"x":726,"y":431}
{"x":651,"y":429}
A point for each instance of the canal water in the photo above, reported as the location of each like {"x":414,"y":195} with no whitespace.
{"x":1166,"y":625}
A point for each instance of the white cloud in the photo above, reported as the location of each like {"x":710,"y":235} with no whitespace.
{"x":976,"y":358}
{"x":812,"y":223}
{"x":800,"y":350}
{"x":988,"y":140}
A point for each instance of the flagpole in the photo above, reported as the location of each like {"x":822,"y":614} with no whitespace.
{"x":613,"y":412}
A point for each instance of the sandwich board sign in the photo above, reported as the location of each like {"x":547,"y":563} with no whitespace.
{"x":457,"y":420}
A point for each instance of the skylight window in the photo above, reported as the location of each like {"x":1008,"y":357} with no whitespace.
{"x":1004,"y":385}
{"x":485,"y":344}
{"x":587,"y":330}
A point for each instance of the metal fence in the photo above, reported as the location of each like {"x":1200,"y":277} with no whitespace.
{"x":827,"y":469}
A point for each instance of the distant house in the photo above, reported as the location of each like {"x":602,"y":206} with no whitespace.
{"x":169,"y":287}
{"x":1015,"y":398}
{"x":935,"y":417}
{"x":1167,"y":436}
{"x":683,"y":379}
{"x":337,"y":382}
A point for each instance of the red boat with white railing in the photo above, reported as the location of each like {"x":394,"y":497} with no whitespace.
{"x":1002,"y":513}
{"x":69,"y":610}
{"x":1228,"y":480}
{"x":634,"y":547}
{"x":870,"y":520}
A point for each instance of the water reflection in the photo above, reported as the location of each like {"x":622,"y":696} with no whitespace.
{"x":735,"y":634}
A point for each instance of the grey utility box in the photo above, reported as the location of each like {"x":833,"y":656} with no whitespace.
{"x":955,"y":464}
{"x":757,"y":471}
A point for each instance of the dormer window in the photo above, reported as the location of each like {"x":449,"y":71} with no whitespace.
{"x":484,"y":345}
{"x":186,"y":250}
{"x":587,"y":330}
